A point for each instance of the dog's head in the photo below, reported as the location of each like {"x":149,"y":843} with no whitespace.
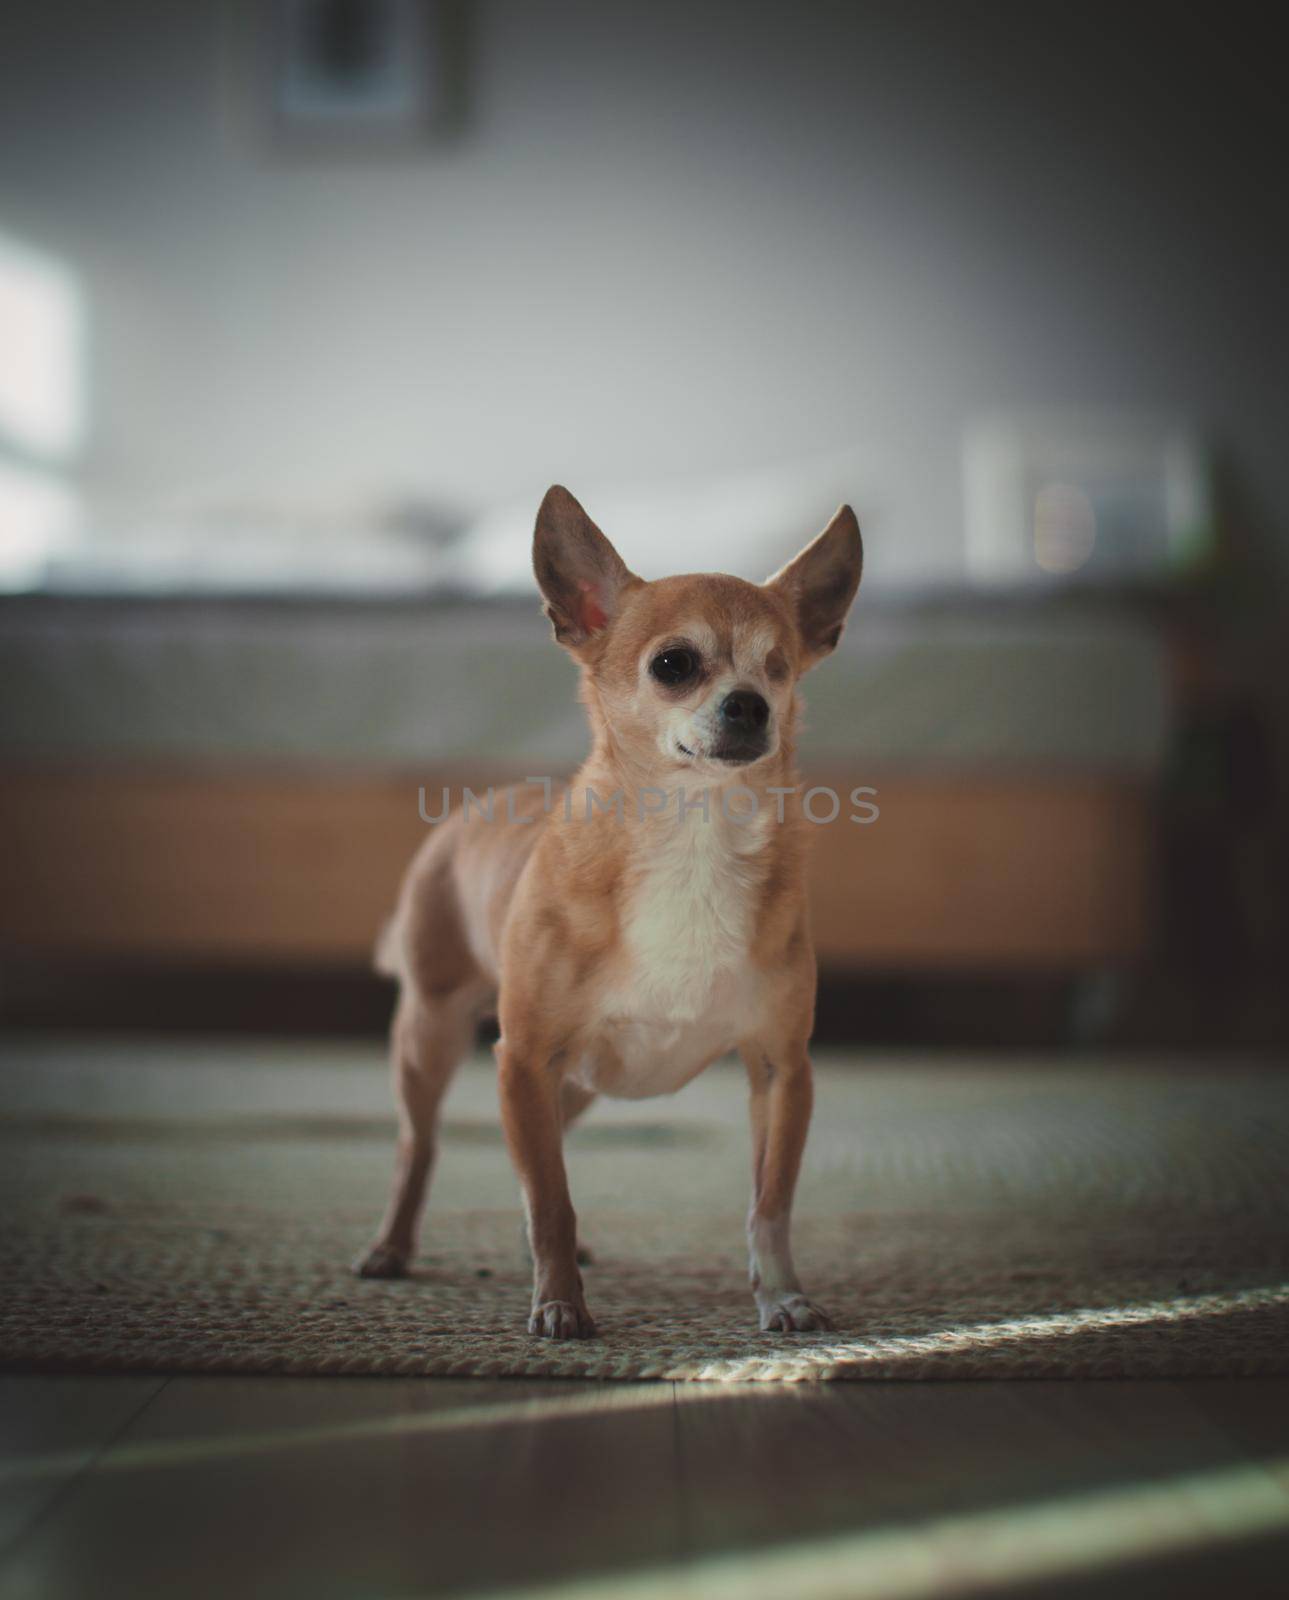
{"x":697,"y":671}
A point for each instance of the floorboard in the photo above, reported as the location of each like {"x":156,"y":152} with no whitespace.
{"x":867,"y":1454}
{"x":51,"y":1430}
{"x":362,"y":1487}
{"x":367,"y":1487}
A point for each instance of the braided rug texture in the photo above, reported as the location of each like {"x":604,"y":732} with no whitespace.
{"x":992,"y":1233}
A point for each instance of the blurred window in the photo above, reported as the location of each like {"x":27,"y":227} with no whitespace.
{"x":42,"y":408}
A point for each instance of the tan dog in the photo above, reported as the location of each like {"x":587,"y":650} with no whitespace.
{"x":637,"y":925}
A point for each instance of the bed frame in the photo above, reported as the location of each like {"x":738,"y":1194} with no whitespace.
{"x":987,"y":873}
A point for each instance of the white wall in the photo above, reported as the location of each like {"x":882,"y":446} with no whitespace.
{"x":673,"y":239}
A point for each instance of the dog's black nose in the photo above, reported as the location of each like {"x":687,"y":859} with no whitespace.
{"x":744,"y":710}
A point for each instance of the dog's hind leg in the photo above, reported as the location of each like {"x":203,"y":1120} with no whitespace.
{"x":428,"y":1039}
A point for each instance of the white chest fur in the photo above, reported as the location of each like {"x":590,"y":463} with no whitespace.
{"x":685,"y":991}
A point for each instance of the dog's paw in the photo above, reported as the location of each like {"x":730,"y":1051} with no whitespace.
{"x":381,"y":1261}
{"x":561,"y":1319}
{"x":793,"y":1314}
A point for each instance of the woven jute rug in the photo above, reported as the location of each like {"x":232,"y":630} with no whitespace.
{"x":960,"y":1224}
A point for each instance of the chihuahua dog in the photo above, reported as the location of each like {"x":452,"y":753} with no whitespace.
{"x":649,"y":918}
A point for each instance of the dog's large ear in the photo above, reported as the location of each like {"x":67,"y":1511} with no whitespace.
{"x":820,"y":584}
{"x":580,"y":574}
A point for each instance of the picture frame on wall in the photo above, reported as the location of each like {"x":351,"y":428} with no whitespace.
{"x":346,"y":77}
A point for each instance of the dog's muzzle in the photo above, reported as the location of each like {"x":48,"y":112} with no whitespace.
{"x":744,"y":720}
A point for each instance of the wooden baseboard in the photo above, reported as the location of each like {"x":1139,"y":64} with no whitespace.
{"x":990,"y":873}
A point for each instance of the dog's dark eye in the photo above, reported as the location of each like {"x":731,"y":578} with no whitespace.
{"x":674,"y":666}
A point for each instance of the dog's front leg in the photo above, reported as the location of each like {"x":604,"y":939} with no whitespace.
{"x":782,"y":1098}
{"x":532,"y":1118}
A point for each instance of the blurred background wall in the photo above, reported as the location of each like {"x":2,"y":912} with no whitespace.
{"x":666,"y":239}
{"x":716,"y":266}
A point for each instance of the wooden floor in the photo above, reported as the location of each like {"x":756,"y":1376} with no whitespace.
{"x":371,"y":1487}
